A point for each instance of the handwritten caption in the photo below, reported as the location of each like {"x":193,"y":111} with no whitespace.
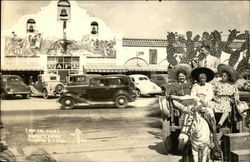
{"x":44,"y":135}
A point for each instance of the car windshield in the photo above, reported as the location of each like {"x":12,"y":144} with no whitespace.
{"x":143,"y":78}
{"x":14,"y":79}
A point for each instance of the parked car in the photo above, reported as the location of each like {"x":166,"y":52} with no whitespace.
{"x":12,"y":85}
{"x":161,"y":80}
{"x":80,"y":79}
{"x":144,"y":86}
{"x":47,"y":85}
{"x":116,"y":88}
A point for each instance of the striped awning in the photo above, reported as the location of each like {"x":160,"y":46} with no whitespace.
{"x":103,"y":68}
{"x":14,"y":67}
{"x":158,"y":68}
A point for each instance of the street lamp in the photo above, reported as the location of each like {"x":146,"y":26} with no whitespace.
{"x":63,"y":14}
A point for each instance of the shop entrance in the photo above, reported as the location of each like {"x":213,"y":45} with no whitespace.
{"x":63,"y":75}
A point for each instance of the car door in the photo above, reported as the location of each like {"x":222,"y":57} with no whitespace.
{"x":98,"y":90}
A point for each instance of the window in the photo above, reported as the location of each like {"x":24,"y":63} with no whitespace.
{"x":53,"y":78}
{"x":159,"y":78}
{"x":152,"y":56}
{"x":114,"y":81}
{"x":143,"y":78}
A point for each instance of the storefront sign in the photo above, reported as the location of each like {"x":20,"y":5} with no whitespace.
{"x":67,"y":66}
{"x":51,"y":66}
{"x":59,"y":66}
{"x":75,"y":66}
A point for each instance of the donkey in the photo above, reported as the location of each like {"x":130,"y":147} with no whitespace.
{"x":195,"y":130}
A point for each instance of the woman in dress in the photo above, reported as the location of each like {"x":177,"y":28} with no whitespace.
{"x":225,"y":92}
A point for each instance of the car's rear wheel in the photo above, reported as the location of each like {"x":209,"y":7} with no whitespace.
{"x":45,"y":94}
{"x":121,"y":101}
{"x":68,"y":103}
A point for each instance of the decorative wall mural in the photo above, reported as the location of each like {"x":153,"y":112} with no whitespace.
{"x":35,"y":44}
{"x":29,"y":46}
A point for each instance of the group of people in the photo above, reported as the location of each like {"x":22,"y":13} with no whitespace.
{"x":198,"y":86}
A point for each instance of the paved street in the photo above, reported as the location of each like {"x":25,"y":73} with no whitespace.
{"x":99,"y":132}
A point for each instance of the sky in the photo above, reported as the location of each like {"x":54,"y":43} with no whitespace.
{"x":148,"y":19}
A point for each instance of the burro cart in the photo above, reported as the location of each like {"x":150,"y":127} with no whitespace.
{"x":239,"y":127}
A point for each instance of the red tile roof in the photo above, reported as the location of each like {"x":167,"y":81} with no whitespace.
{"x":135,"y":42}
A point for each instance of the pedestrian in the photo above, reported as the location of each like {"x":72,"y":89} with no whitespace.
{"x":207,"y":60}
{"x":31,"y":81}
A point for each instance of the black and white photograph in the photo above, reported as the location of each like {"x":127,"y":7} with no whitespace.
{"x":125,"y":81}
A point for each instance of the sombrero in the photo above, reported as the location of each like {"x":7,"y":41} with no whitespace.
{"x":229,"y":69}
{"x":197,"y":71}
{"x":173,"y":73}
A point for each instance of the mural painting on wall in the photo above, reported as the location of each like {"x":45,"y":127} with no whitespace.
{"x":183,"y":49}
{"x":29,"y":46}
{"x":35,"y":44}
{"x":98,"y":48}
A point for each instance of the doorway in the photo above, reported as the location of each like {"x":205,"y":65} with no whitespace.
{"x":63,"y":75}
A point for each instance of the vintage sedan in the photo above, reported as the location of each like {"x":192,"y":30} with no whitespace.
{"x":116,"y":88}
{"x":12,"y":85}
{"x":144,"y":86}
{"x":47,"y":85}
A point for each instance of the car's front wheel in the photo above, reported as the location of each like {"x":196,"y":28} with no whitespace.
{"x":67,"y":103}
{"x":45,"y":94}
{"x":121,"y":101}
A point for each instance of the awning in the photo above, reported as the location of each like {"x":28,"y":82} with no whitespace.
{"x":14,"y":67}
{"x":103,"y":68}
{"x":158,"y":68}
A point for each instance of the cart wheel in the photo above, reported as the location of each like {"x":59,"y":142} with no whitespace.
{"x":45,"y":94}
{"x":67,"y":103}
{"x":166,"y":135}
{"x":121,"y":101}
